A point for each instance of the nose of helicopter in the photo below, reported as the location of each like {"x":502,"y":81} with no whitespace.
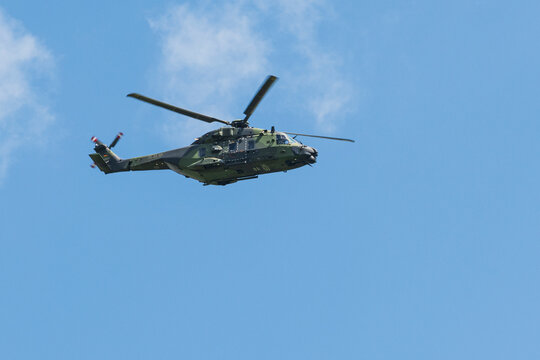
{"x":306,"y":153}
{"x":311,"y":154}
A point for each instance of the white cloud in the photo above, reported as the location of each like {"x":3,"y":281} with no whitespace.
{"x":23,"y":117}
{"x":207,"y":57}
{"x":330,"y":92}
{"x":210,"y":53}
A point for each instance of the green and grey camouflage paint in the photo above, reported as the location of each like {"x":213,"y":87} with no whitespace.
{"x":219,"y":157}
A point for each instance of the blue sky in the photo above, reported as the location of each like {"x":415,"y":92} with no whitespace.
{"x":418,"y":241}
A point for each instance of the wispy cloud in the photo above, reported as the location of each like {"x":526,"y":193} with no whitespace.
{"x":330,"y":92}
{"x":210,"y":52}
{"x":206,"y":59}
{"x":23,"y":116}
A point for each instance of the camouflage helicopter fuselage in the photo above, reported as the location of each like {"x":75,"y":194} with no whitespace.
{"x":222,"y":156}
{"x":219,"y":157}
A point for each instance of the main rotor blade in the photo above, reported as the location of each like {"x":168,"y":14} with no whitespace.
{"x":178,"y":110}
{"x":318,"y":136}
{"x":258,"y":97}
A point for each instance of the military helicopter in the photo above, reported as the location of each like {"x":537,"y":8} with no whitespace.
{"x":222,"y":156}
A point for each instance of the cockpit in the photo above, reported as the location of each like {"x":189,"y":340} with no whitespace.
{"x":284,"y":139}
{"x":281,"y":139}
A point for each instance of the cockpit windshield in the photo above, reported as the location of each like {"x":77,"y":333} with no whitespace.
{"x":292,"y":140}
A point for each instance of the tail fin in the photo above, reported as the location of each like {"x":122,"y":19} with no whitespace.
{"x":106,"y":160}
{"x":100,"y":162}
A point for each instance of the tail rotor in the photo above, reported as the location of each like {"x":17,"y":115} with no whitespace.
{"x":99,"y":144}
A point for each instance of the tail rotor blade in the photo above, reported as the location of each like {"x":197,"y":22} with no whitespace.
{"x":96,"y":141}
{"x":116,"y":139}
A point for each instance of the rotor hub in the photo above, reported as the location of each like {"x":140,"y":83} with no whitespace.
{"x":240,"y":124}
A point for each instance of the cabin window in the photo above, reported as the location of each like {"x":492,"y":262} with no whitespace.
{"x":232,"y":146}
{"x":251,"y":144}
{"x":202,"y":151}
{"x":281,"y":139}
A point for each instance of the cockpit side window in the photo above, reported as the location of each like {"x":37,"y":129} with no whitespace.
{"x":251,"y":144}
{"x":281,"y":139}
{"x":202,"y":151}
{"x":232,"y":146}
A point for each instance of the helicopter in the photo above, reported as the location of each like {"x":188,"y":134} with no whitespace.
{"x":223,"y":156}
